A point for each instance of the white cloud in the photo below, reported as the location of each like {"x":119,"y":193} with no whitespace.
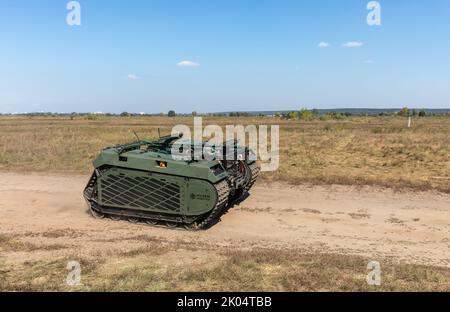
{"x":369,"y":61}
{"x":353,"y":44}
{"x":323,"y":45}
{"x":132,"y":77}
{"x":188,"y":64}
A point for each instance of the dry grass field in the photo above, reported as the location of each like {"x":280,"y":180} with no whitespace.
{"x":161,"y":266}
{"x":313,"y":225}
{"x":355,"y":151}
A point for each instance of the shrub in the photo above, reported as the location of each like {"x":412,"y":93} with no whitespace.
{"x":91,"y":117}
{"x":404,"y":112}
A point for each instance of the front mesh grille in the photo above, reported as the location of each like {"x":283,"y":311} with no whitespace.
{"x":139,"y":192}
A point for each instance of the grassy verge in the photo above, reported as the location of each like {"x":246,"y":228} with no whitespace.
{"x":181,"y":267}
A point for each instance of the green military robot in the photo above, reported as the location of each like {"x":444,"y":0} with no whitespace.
{"x":143,"y":182}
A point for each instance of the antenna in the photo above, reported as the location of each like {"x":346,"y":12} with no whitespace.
{"x":135,"y":134}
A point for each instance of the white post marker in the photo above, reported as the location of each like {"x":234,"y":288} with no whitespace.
{"x":409,"y":122}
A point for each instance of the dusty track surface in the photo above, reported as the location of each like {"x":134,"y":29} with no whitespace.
{"x":406,"y":227}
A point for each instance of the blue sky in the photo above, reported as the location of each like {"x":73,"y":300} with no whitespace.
{"x":251,"y":55}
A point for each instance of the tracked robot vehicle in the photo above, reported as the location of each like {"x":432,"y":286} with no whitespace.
{"x":142,"y":182}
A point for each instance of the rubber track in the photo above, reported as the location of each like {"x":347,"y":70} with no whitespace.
{"x":255,"y":170}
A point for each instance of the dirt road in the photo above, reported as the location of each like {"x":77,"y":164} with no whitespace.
{"x":406,"y":227}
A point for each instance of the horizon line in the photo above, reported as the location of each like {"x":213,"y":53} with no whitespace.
{"x":228,"y":112}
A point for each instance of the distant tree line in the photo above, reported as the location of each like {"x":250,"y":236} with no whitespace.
{"x":302,"y":114}
{"x":406,"y":112}
{"x":305,"y":114}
